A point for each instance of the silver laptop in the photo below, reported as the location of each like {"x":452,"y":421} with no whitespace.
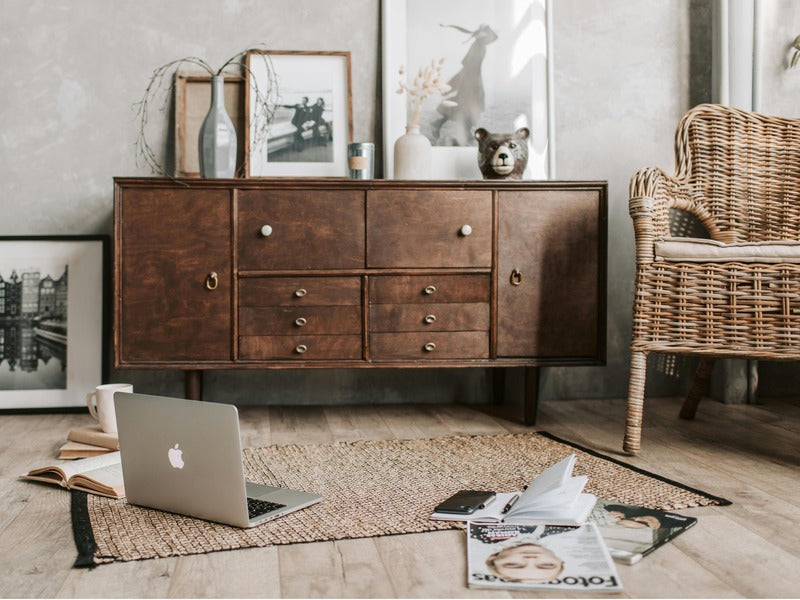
{"x":185,"y":456}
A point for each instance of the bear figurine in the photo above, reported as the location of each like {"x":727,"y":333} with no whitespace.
{"x":502,"y":155}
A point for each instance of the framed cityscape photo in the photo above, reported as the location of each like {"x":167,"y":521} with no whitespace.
{"x":53,"y":319}
{"x":496,"y":57}
{"x":298,"y":114}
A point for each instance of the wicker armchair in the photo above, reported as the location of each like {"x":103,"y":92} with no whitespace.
{"x":737,"y":294}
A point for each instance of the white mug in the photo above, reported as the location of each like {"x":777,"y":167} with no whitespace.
{"x":101,"y":404}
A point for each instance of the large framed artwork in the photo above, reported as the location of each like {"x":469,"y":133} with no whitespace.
{"x":53,"y":319}
{"x":496,"y":58}
{"x":310,"y":114}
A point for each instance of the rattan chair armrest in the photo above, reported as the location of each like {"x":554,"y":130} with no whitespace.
{"x":652,"y":194}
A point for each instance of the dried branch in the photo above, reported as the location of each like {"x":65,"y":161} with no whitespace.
{"x":160,"y":87}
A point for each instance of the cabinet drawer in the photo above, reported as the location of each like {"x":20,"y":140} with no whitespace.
{"x":429,"y":228}
{"x":297,"y":320}
{"x":429,"y":346}
{"x":429,"y":317}
{"x":299,"y":229}
{"x":299,"y":347}
{"x":300,"y":291}
{"x":434,"y":289}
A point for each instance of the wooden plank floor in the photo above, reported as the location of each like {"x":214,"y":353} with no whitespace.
{"x":748,"y":454}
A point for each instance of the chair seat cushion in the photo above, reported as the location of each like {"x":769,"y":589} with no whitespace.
{"x":681,"y":249}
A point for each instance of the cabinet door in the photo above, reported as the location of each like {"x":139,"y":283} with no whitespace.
{"x":174,"y":270}
{"x":551,"y":274}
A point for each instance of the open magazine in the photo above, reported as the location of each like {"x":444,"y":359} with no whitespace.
{"x":539,"y":557}
{"x":632,"y":532}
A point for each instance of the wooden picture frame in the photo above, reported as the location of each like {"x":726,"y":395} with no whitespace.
{"x":309,"y":94}
{"x":192,"y":99}
{"x":504,"y":49}
{"x":53,"y":319}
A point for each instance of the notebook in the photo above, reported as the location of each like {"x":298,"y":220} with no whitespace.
{"x":185,"y":457}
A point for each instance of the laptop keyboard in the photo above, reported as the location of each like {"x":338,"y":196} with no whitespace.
{"x":256,"y":508}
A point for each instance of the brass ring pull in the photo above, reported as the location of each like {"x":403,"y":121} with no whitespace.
{"x":212,"y":281}
{"x":301,"y":348}
{"x":516,"y":277}
{"x":431,"y":289}
{"x":300,"y":293}
{"x":430,"y":319}
{"x":430,"y":347}
{"x":300,"y":321}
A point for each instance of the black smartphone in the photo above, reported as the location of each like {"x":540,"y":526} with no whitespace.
{"x":466,"y":502}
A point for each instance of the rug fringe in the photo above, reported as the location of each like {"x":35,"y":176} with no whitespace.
{"x":82,"y":531}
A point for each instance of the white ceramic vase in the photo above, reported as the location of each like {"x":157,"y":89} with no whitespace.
{"x":412,"y":155}
{"x":217,"y":139}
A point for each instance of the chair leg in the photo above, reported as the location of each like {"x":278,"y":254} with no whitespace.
{"x":633,"y":422}
{"x":698,"y":387}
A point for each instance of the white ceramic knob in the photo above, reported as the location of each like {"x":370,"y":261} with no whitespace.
{"x":266,"y":230}
{"x":466,"y":230}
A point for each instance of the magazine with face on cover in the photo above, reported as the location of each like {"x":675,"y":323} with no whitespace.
{"x":632,"y":532}
{"x":539,"y":557}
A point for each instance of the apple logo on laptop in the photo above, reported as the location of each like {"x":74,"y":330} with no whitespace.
{"x":175,"y":456}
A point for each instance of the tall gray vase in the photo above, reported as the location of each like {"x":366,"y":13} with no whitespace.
{"x":217,"y":139}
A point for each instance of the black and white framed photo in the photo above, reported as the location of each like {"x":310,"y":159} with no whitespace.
{"x":496,"y":57}
{"x":310,"y":107}
{"x":53,"y":321}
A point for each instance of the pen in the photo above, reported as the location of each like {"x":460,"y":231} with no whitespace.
{"x":510,"y":503}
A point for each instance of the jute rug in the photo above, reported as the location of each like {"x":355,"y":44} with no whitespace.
{"x":371,"y":488}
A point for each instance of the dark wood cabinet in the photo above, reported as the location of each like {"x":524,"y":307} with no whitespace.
{"x":272,"y":273}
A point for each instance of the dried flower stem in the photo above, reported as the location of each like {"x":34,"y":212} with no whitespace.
{"x":427,"y":82}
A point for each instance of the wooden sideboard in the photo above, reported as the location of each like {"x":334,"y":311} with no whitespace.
{"x":335,"y":273}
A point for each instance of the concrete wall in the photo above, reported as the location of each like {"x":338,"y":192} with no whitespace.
{"x":625,"y":73}
{"x":780,"y":95}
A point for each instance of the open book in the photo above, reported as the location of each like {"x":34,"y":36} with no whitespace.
{"x":101,"y":475}
{"x":555,"y":497}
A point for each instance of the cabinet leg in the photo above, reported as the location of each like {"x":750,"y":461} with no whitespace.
{"x":498,"y":384}
{"x":531,"y":397}
{"x":193,"y":385}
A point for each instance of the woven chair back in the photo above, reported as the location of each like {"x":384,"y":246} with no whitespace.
{"x":744,"y":169}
